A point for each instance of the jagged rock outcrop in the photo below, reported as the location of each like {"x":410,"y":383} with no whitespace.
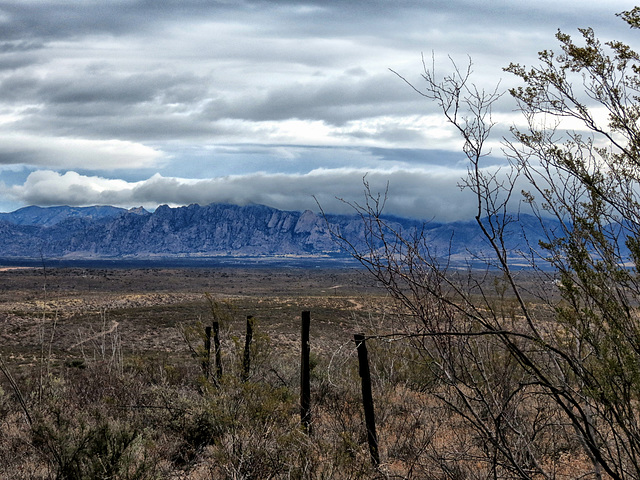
{"x":194,"y":230}
{"x":219,"y":230}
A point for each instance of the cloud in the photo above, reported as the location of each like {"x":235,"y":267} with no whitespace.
{"x":341,"y":98}
{"x":75,"y":153}
{"x":273,"y":99}
{"x":45,"y":187}
{"x":419,"y":193}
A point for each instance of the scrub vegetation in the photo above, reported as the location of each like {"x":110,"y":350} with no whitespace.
{"x":543,"y":376}
{"x":102,"y":377}
{"x":499,"y":372}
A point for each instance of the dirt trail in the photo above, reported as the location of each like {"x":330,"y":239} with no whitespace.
{"x":114,"y":325}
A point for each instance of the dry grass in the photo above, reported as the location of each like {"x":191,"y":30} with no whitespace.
{"x":113,"y":390}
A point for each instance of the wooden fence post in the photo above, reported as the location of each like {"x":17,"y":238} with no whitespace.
{"x":206,"y":361}
{"x":305,"y":374}
{"x":246,"y":361}
{"x":367,"y":398}
{"x":216,"y":347}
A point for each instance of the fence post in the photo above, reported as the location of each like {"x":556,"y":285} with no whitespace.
{"x":216,"y":346}
{"x":367,"y":398}
{"x":246,"y":361}
{"x":206,"y":361}
{"x":305,"y":374}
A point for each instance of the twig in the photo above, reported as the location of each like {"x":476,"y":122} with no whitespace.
{"x":16,"y":390}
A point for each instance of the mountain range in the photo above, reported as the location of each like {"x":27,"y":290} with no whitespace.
{"x":217,"y":230}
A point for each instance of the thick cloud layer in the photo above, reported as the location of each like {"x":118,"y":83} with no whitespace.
{"x":135,"y":102}
{"x":418,"y":193}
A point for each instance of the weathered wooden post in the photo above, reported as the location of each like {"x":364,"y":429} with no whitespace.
{"x":367,"y":397}
{"x":246,"y":361}
{"x":206,"y":361}
{"x":216,"y":346}
{"x":305,"y":374}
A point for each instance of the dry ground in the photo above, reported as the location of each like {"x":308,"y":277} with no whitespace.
{"x":66,"y":310}
{"x":62,"y":328}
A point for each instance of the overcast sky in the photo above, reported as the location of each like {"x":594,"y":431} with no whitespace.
{"x":142,"y":102}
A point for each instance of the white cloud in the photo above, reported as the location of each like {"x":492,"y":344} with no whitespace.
{"x":46,"y":187}
{"x":421,"y":193}
{"x":75,"y":153}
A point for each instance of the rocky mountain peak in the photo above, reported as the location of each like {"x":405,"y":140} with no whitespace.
{"x":218,"y":230}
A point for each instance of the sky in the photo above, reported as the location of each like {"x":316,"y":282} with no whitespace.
{"x":290,"y":104}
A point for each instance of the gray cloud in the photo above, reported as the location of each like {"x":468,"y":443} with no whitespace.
{"x":57,"y":20}
{"x":334,"y":100}
{"x":140,"y":87}
{"x":416,"y":192}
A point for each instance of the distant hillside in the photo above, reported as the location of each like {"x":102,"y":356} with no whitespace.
{"x":47,"y":216}
{"x":216,"y":230}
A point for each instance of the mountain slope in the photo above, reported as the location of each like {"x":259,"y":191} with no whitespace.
{"x":217,"y":229}
{"x":47,"y":216}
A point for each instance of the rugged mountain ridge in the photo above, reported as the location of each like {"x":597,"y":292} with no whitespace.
{"x":212,"y":230}
{"x":217,"y":229}
{"x":49,"y":216}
